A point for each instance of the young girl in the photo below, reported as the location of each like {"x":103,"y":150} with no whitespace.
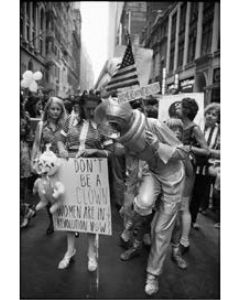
{"x":48,"y":132}
{"x":176,"y":125}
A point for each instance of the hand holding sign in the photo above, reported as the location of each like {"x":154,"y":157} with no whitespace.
{"x":91,"y":153}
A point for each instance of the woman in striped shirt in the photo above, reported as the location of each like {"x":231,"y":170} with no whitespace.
{"x":212,"y":136}
{"x":81,"y":138}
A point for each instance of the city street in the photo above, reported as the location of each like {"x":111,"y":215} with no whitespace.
{"x":40,"y":278}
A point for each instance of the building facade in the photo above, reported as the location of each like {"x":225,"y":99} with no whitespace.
{"x":132,"y":21}
{"x":186,"y":43}
{"x":50,"y":42}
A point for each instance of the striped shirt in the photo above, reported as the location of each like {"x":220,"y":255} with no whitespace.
{"x":212,"y":136}
{"x":81,"y":135}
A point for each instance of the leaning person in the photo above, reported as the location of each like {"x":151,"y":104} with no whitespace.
{"x":156,"y":144}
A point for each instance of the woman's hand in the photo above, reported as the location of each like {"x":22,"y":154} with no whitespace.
{"x":151,"y":138}
{"x":92,"y":153}
{"x":63,"y":154}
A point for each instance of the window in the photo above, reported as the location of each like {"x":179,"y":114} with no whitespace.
{"x":171,"y":63}
{"x":180,"y":52}
{"x":207,"y":28}
{"x":28,"y":22}
{"x":22,"y":6}
{"x":192,"y":46}
{"x":34,"y":20}
{"x":183,"y":18}
{"x":192,"y":31}
{"x":42,"y":31}
{"x":173,"y":31}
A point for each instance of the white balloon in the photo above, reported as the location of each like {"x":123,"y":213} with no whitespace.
{"x":37,"y":75}
{"x":27,"y":74}
{"x":33,"y":86}
{"x":24,"y":83}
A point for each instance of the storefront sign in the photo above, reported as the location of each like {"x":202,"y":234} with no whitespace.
{"x":187,"y":83}
{"x":140,"y":92}
{"x":86,"y":206}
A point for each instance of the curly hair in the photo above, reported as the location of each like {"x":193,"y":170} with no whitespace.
{"x":189,"y":108}
{"x":213,"y":106}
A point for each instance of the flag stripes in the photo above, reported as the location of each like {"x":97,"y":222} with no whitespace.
{"x":126,"y":75}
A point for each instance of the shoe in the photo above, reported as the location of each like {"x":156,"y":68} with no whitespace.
{"x":152,"y":285}
{"x":217,"y":225}
{"x":124,"y":244}
{"x":132,"y":252}
{"x":24,"y":223}
{"x":196,"y":226}
{"x":147,"y":239}
{"x":177,"y":258}
{"x":64,"y":263}
{"x":204,"y":212}
{"x":50,"y":229}
{"x":31,"y":213}
{"x":184,"y":249}
{"x":92,"y":264}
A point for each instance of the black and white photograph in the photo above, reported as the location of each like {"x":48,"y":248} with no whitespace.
{"x":119,"y":150}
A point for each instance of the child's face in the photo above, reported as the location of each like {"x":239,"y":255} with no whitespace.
{"x":178,"y":133}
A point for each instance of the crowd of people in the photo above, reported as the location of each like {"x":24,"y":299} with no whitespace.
{"x":158,"y":191}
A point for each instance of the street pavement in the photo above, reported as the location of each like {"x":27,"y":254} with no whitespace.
{"x":40,"y":278}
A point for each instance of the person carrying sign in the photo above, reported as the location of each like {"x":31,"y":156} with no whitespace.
{"x":156,"y":144}
{"x":81,"y":138}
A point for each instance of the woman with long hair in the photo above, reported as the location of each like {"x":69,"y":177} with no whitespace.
{"x":48,"y":132}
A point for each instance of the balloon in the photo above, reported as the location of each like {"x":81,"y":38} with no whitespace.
{"x":24,"y":83}
{"x":33,"y":86}
{"x":37,"y":75}
{"x":27,"y":74}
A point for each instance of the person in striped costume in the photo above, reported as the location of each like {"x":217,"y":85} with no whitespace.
{"x":81,"y":138}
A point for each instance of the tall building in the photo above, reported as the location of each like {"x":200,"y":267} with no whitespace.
{"x":50,"y":43}
{"x":133,"y":20}
{"x":87,"y":75}
{"x":192,"y":55}
{"x":154,"y":36}
{"x":115,"y":12}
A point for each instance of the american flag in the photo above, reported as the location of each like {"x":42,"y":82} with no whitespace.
{"x":126,"y":74}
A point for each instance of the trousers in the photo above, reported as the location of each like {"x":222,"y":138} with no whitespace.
{"x":164,"y":228}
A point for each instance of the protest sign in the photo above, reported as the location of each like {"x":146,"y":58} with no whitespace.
{"x":86,"y":206}
{"x":139,"y":92}
{"x":166,"y":106}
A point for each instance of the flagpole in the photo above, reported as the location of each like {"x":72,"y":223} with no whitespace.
{"x":129,"y":22}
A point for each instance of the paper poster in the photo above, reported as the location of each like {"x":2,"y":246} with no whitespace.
{"x":167,"y":104}
{"x":139,"y":92}
{"x":86,"y":206}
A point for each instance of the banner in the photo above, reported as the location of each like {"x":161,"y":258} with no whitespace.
{"x":139,"y":92}
{"x":166,"y":106}
{"x":86,"y":206}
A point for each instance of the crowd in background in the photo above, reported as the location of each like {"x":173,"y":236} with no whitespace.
{"x":42,"y":122}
